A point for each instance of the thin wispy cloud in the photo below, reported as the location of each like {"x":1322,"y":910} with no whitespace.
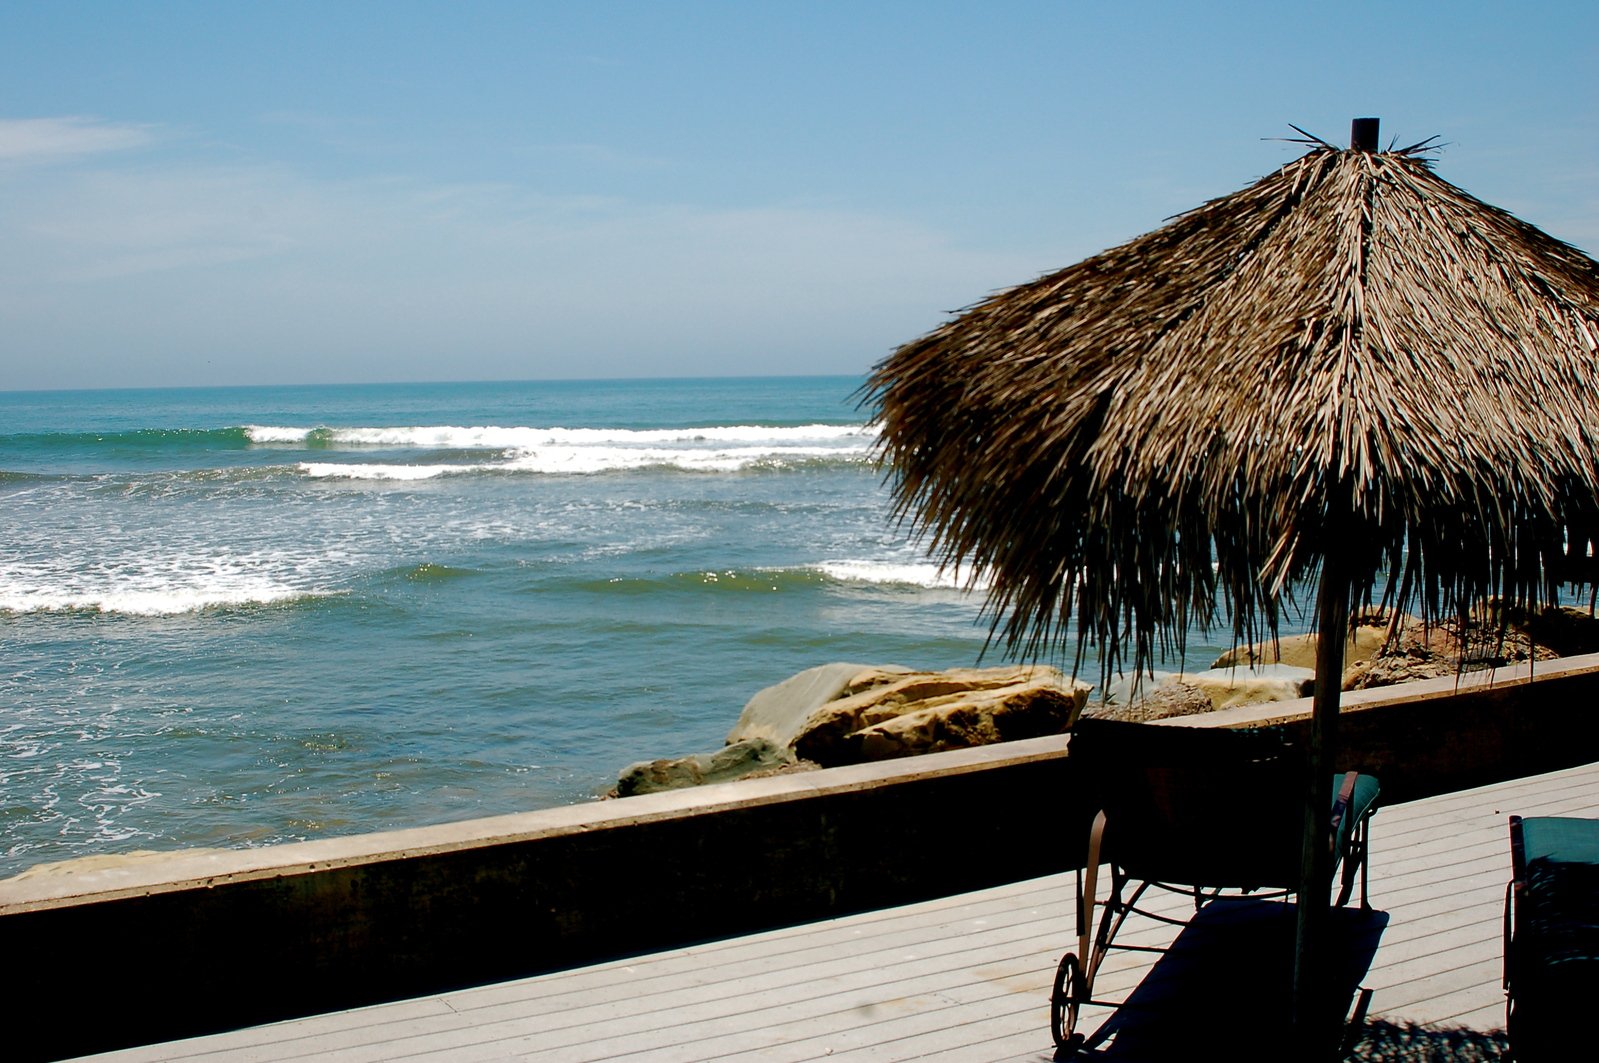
{"x":600,"y":155}
{"x":43,"y":140}
{"x":575,"y":190}
{"x":107,"y":223}
{"x":275,"y":264}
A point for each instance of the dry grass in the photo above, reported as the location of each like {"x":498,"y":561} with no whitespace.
{"x":1350,"y":358}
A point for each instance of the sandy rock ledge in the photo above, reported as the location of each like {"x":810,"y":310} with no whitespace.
{"x":849,"y":713}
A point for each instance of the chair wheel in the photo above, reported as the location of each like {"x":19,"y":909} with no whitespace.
{"x":1069,"y":992}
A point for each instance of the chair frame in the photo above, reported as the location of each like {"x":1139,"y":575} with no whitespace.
{"x":1527,"y":971}
{"x":1074,"y":977}
{"x":1515,"y":892}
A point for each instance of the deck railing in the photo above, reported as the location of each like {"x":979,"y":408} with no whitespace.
{"x":216,"y":940}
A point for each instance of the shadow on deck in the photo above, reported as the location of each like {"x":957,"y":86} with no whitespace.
{"x":1224,"y":987}
{"x":1226,"y":983}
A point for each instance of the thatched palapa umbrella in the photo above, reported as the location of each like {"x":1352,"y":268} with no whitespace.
{"x":1350,"y":375}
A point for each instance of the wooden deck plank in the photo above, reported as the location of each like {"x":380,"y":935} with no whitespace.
{"x":867,"y":1002}
{"x":296,"y":1037}
{"x":751,"y":1002}
{"x":1488,"y":1017}
{"x":952,"y":947}
{"x":945,"y":952}
{"x":956,"y":979}
{"x":722,"y":961}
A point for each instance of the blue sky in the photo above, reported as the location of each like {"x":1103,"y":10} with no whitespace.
{"x":232,"y":193}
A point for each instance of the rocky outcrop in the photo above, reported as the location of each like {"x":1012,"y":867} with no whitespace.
{"x":734,"y":761}
{"x":891,"y":714}
{"x":1172,"y":697}
{"x":1299,"y":651}
{"x":1565,"y":631}
{"x":1383,"y":653}
{"x":1159,"y":695}
{"x":780,"y":713}
{"x":1420,"y":651}
{"x":848,"y":713}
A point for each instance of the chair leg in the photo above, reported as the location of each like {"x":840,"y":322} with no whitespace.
{"x":1365,"y":860}
{"x":1064,"y":1002}
{"x":1355,"y":862}
{"x":1088,"y":888}
{"x":1110,"y":920}
{"x":1074,"y":978}
{"x":1346,"y":881}
{"x":1509,"y":947}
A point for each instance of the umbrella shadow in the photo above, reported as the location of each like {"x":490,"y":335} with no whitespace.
{"x":1224,"y":989}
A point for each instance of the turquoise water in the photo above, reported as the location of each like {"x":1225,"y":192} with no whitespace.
{"x":242,"y":616}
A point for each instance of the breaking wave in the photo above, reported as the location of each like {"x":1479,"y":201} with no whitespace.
{"x":489,"y":437}
{"x":168,"y":601}
{"x":923,"y":576}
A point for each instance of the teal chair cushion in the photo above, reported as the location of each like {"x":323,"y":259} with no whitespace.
{"x":1561,"y":839}
{"x":1553,"y":960}
{"x":1361,"y":801}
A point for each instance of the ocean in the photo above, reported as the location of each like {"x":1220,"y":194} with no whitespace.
{"x":242,"y":616}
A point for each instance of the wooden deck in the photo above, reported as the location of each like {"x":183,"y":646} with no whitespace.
{"x":962,"y":978}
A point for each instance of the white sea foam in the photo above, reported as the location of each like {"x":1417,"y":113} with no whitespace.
{"x":492,"y":437}
{"x":336,"y":471}
{"x":167,"y":586}
{"x":171,"y":601}
{"x":916,"y":574}
{"x":553,"y":451}
{"x":587,"y":460}
{"x":272,"y":434}
{"x":570,"y":459}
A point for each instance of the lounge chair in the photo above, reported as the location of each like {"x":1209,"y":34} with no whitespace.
{"x":1205,"y":812}
{"x":1551,"y":974}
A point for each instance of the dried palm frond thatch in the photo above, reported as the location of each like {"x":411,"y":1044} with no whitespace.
{"x":1351,"y":359}
{"x":1350,"y":371}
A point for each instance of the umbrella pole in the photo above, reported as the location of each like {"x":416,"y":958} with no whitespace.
{"x":1314,"y":1025}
